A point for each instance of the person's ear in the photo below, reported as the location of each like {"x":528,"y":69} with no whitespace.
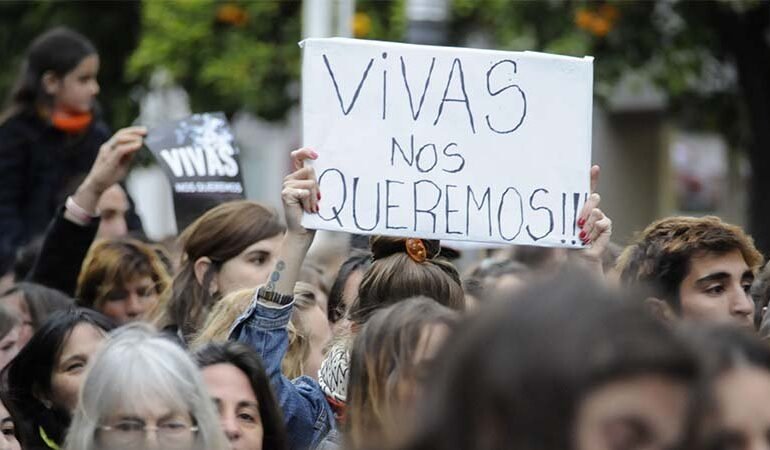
{"x":660,"y":309}
{"x":202,"y":267}
{"x":51,"y":83}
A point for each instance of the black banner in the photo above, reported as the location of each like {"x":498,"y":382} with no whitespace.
{"x":201,"y":160}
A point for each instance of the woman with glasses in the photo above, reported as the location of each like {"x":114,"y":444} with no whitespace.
{"x":144,"y":392}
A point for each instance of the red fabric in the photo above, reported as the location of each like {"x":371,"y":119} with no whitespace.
{"x":72,"y":123}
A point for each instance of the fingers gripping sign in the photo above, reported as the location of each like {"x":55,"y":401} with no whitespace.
{"x":300,"y":189}
{"x":595,"y":226}
{"x":115,"y":156}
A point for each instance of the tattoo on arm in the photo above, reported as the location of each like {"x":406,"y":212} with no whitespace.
{"x":276,"y":275}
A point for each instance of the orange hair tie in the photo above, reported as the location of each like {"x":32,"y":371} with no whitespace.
{"x":416,"y":250}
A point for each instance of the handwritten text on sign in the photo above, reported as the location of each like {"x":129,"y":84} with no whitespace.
{"x":448,"y":143}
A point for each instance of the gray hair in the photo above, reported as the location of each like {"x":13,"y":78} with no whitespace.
{"x":135,"y":368}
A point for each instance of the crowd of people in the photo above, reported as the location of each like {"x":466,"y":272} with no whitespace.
{"x":235,"y":338}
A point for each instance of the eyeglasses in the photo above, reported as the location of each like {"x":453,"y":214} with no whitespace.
{"x":134,"y":433}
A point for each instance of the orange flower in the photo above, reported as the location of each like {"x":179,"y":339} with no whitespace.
{"x":600,"y":26}
{"x":599,"y":23}
{"x":362,"y":24}
{"x":584,"y":19}
{"x":232,"y":14}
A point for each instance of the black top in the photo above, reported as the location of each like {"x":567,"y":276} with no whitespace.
{"x":64,"y":249}
{"x":39,"y":167}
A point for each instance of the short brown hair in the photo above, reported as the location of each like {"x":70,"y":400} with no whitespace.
{"x":660,"y":257}
{"x":112,"y":263}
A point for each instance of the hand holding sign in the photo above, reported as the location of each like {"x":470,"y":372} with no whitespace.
{"x":110,"y":167}
{"x":595,"y":226}
{"x":300,"y":191}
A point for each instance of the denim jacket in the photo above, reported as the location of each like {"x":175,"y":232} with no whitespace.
{"x":306,"y":413}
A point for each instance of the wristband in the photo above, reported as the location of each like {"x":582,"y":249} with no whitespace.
{"x":274,"y":297}
{"x":78,"y":213}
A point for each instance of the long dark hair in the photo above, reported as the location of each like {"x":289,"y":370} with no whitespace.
{"x":514,"y":377}
{"x":58,"y":50}
{"x":358,"y":260}
{"x":28,"y":377}
{"x":248,"y":362}
{"x":220,"y":234}
{"x":41,"y":301}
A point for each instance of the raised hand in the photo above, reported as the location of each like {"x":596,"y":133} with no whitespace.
{"x":595,"y":226}
{"x":300,"y":191}
{"x":111,"y":166}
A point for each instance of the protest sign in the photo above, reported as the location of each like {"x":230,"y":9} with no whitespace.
{"x":447,"y":143}
{"x":201,"y":160}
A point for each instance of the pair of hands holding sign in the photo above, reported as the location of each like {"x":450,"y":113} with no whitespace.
{"x":301,"y":194}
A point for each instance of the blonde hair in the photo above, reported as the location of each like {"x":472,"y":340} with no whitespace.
{"x":293,"y":364}
{"x":220,"y":320}
{"x":223,"y":314}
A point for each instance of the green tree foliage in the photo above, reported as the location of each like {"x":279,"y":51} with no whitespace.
{"x":240,"y":55}
{"x":228,"y":55}
{"x":669,"y":43}
{"x":711,"y":58}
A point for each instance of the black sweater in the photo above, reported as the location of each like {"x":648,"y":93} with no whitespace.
{"x":39,"y":167}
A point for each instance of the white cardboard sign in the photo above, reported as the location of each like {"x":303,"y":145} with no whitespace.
{"x":447,"y":143}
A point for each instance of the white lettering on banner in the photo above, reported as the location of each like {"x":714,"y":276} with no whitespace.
{"x":448,"y":143}
{"x":197,"y":161}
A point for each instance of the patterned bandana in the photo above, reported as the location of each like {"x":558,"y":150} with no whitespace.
{"x":333,"y":375}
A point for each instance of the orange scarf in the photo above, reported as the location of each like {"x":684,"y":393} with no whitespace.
{"x":72,"y":123}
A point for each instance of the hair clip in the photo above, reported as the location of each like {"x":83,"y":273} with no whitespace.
{"x":416,"y":250}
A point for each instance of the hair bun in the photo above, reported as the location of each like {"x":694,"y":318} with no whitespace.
{"x":384,"y":246}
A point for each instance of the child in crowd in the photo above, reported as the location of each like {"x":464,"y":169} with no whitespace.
{"x":50,"y":135}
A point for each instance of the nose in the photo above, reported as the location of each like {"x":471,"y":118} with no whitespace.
{"x":121,"y":228}
{"x":230,"y":427}
{"x":741,"y":303}
{"x":134,"y":306}
{"x":152,"y":442}
{"x":95,"y":88}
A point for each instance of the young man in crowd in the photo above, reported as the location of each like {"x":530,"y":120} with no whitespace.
{"x":697,"y":268}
